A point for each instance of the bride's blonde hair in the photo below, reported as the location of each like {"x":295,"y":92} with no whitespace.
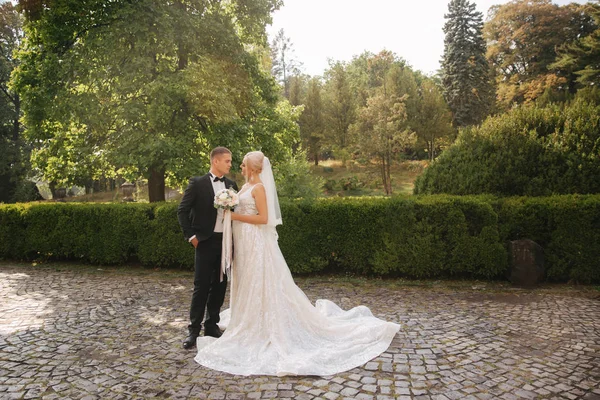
{"x":254,"y":160}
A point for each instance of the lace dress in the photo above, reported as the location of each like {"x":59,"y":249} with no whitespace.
{"x":272,"y":328}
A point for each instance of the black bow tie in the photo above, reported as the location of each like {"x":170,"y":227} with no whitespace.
{"x":219,"y":179}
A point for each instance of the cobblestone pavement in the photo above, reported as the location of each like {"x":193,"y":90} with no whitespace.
{"x":87,"y":333}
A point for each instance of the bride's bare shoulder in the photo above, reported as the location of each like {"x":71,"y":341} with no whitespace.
{"x":258,"y":188}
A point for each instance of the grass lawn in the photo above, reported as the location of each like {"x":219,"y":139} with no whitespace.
{"x":365,"y":180}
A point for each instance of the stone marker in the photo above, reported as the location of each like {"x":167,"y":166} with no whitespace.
{"x":526,"y":262}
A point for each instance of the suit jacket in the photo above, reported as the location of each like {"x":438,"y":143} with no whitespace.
{"x":196,"y":213}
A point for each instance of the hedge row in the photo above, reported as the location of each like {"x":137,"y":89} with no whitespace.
{"x":567,"y":227}
{"x":417,"y":237}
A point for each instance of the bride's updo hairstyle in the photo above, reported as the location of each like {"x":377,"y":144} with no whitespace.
{"x":254,"y":160}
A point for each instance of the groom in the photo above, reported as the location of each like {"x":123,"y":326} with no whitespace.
{"x":202,"y":226}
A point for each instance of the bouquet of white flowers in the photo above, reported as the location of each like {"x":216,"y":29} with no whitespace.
{"x":226,"y":199}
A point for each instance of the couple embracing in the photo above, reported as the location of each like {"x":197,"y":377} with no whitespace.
{"x":271,"y":327}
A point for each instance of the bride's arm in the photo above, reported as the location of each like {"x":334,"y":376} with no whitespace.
{"x":258,"y":192}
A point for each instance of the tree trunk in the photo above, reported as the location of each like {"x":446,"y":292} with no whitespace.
{"x":96,"y":188}
{"x":383,"y":174}
{"x":429,"y":150}
{"x":286,"y":85}
{"x":388,"y":174}
{"x":182,"y":51}
{"x":52,"y":187}
{"x":16,"y":125}
{"x":156,"y":184}
{"x":89,"y":187}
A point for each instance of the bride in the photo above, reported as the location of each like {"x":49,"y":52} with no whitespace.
{"x":272,"y":327}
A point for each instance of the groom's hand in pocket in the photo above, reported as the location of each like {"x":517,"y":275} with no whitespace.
{"x":194,"y":242}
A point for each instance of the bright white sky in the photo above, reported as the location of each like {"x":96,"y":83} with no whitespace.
{"x":341,"y":29}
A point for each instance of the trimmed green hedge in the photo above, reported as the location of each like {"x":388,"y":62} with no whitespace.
{"x":567,"y":227}
{"x":417,"y":236}
{"x":96,"y":233}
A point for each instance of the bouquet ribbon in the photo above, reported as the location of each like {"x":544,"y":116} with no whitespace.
{"x":226,"y":254}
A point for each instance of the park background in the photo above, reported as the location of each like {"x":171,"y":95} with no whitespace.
{"x":384,"y":169}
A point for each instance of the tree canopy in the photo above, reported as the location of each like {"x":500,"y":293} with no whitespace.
{"x":145,"y":88}
{"x":465,"y":71}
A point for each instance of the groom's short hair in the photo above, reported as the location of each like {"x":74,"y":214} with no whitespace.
{"x":217,"y":151}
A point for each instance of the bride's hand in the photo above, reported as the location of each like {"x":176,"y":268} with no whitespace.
{"x":233,"y":216}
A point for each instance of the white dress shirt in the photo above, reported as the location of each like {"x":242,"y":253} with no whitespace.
{"x":218,"y":185}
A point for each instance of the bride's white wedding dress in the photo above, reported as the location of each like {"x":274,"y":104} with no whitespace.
{"x":272,"y":328}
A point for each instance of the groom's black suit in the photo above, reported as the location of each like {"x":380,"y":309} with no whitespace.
{"x":197,"y":216}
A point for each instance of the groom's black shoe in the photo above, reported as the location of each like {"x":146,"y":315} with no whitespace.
{"x":190,"y":341}
{"x":213,"y":331}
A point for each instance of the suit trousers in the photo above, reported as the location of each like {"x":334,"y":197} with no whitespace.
{"x":209,"y":293}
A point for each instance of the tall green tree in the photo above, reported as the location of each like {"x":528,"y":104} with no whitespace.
{"x":380,"y":125}
{"x":432,"y":121}
{"x":358,"y":76}
{"x":298,"y":86}
{"x":582,"y":57}
{"x":367,"y":74}
{"x":339,"y":105}
{"x":14,"y":152}
{"x":285,"y":65}
{"x":142,"y":89}
{"x":404,"y":82}
{"x":465,"y":70}
{"x":311,"y":122}
{"x":368,"y":71}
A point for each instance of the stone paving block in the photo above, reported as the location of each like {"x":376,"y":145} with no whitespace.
{"x":353,"y":384}
{"x":454,"y":343}
{"x":402,"y":391}
{"x":348,"y":392}
{"x":372,"y":366}
{"x":363,"y":396}
{"x":385,"y":389}
{"x":369,"y":388}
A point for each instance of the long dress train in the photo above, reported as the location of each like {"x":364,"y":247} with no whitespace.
{"x":273,"y":329}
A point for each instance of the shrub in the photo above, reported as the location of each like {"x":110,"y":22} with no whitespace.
{"x":529,"y":151}
{"x":295,"y":180}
